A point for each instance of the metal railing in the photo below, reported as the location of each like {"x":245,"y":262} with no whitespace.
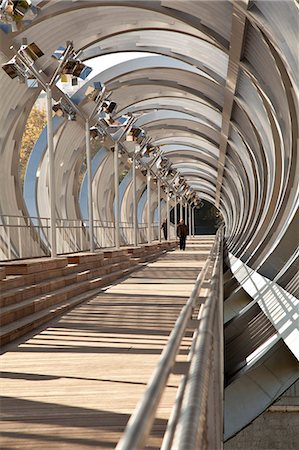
{"x":200,"y":394}
{"x":26,"y":237}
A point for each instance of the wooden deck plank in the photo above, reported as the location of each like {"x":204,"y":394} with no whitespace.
{"x":75,"y":384}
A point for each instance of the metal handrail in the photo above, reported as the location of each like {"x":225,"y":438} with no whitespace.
{"x":140,"y":423}
{"x":193,"y":415}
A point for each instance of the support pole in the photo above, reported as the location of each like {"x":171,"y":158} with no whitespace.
{"x":181,"y":209}
{"x":168,"y":214}
{"x":135,"y":222}
{"x":175,"y":215}
{"x":149,"y":207}
{"x":116,"y":199}
{"x":186,"y":213}
{"x":89,"y":187}
{"x":193,"y":221}
{"x":190,"y":221}
{"x":159,"y":209}
{"x":51,"y":173}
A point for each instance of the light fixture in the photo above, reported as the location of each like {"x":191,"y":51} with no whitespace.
{"x":76,"y":69}
{"x":32,"y":51}
{"x":63,"y":109}
{"x":150,"y":150}
{"x":135,"y":135}
{"x":15,"y":68}
{"x":95,"y":91}
{"x":96,"y":134}
{"x":15,"y":10}
{"x":108,"y":106}
{"x":71,"y":66}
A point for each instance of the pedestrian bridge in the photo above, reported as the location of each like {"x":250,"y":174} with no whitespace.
{"x":150,"y":340}
{"x":115,"y":116}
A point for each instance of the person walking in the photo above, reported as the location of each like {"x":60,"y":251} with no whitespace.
{"x":182,"y":232}
{"x":164,"y":228}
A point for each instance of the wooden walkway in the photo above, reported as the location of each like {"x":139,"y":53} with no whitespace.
{"x":74,"y":384}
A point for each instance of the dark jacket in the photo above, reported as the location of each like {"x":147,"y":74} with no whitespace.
{"x":182,"y":230}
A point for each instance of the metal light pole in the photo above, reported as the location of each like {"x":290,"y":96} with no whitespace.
{"x":168,"y":214}
{"x":135,"y":221}
{"x":186,"y":213}
{"x":116,"y":199}
{"x":159,"y":209}
{"x":51,"y":173}
{"x":148,"y":206}
{"x":175,"y":214}
{"x":181,"y":208}
{"x":193,"y":221}
{"x":89,"y":186}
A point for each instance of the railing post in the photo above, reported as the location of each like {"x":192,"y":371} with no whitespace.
{"x":51,"y":173}
{"x":116,"y":198}
{"x":8,"y":238}
{"x":193,"y":221}
{"x":186,"y":213}
{"x":20,"y":239}
{"x":148,"y":206}
{"x":135,"y":218}
{"x":168,"y":214}
{"x":159,"y":209}
{"x":89,"y":186}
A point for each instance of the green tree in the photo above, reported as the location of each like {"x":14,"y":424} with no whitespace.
{"x":35,"y":124}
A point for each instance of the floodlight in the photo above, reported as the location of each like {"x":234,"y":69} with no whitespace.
{"x":95,"y":91}
{"x":75,"y":68}
{"x":20,"y":9}
{"x":15,"y":69}
{"x":63,"y":109}
{"x":85,"y":72}
{"x":96,"y":134}
{"x":32,"y":51}
{"x":149,"y":150}
{"x":6,"y":11}
{"x":109,"y":106}
{"x":105,"y":118}
{"x":11,"y":68}
{"x":59,"y":53}
{"x":136,"y":135}
{"x":15,"y":10}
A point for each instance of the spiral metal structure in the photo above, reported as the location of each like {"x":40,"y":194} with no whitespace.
{"x":218,"y":93}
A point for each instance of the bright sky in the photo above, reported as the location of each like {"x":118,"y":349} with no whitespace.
{"x":104,"y":62}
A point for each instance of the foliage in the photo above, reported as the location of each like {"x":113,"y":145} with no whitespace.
{"x":35,"y":124}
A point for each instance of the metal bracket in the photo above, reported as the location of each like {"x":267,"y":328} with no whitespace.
{"x":181,"y":367}
{"x":193,"y":324}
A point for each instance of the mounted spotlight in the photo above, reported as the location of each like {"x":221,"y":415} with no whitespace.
{"x":14,"y":69}
{"x":71,"y":66}
{"x":135,"y":135}
{"x":149,"y":150}
{"x":15,"y":10}
{"x":108,"y":106}
{"x":96,"y":134}
{"x":95,"y":91}
{"x":32,"y":51}
{"x":62,"y":109}
{"x":76,"y":69}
